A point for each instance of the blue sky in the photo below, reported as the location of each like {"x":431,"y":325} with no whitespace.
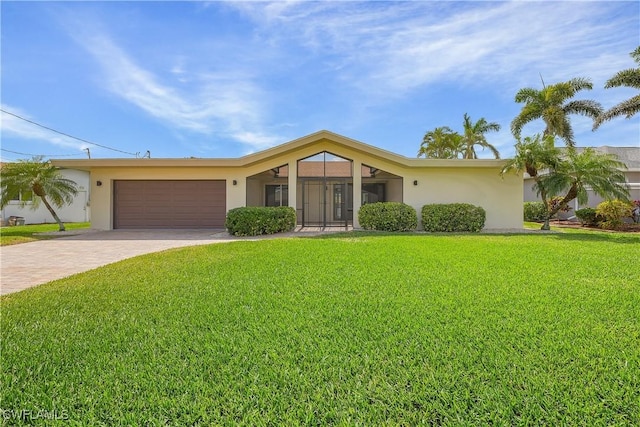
{"x":224,"y":79}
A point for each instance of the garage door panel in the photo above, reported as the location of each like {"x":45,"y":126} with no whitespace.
{"x":169,"y":204}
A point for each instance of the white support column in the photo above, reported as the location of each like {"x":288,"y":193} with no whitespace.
{"x":357,"y":191}
{"x":293,"y":185}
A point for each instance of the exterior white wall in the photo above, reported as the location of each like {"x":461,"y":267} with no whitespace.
{"x":500,"y":197}
{"x":77,"y":211}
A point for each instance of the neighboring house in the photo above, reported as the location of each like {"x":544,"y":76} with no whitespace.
{"x":77,"y":211}
{"x":316,"y":174}
{"x":630,"y":156}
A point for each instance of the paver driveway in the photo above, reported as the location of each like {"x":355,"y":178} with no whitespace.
{"x":30,"y":264}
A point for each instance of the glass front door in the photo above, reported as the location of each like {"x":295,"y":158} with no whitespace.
{"x":342,"y":202}
{"x":327,"y":202}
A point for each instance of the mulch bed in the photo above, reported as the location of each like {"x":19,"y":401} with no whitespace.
{"x":626,"y":228}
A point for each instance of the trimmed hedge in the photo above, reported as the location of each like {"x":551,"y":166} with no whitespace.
{"x":534,"y":211}
{"x":253,"y":221}
{"x":388,"y":216}
{"x":453,"y":217}
{"x":588,"y":216}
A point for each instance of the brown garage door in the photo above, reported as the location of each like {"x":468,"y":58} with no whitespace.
{"x":169,"y":204}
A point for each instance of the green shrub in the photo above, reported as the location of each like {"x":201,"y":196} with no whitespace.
{"x":253,"y":221}
{"x":588,"y":216}
{"x":534,"y":211}
{"x":453,"y":217}
{"x":613,"y":211}
{"x":388,"y":216}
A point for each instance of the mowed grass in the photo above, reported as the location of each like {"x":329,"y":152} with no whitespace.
{"x":353,"y":329}
{"x":28,"y":233}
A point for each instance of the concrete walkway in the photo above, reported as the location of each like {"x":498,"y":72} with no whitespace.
{"x":34,"y":263}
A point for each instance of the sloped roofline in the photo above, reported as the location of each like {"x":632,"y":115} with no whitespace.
{"x":277,"y":151}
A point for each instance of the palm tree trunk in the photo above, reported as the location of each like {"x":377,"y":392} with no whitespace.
{"x":543,"y":195}
{"x":53,"y":213}
{"x":546,"y":226}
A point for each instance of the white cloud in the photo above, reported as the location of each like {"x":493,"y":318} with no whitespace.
{"x":16,"y":127}
{"x":222,"y":104}
{"x":392,"y":48}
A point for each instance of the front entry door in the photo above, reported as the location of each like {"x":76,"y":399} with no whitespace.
{"x":327,"y":202}
{"x":342,"y":202}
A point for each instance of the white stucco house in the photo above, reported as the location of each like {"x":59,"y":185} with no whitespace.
{"x":77,"y":211}
{"x":326,"y":177}
{"x":630,"y":156}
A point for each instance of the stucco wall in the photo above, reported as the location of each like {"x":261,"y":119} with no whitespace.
{"x":77,"y":211}
{"x":500,"y":196}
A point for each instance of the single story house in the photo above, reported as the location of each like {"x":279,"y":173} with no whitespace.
{"x":326,"y":177}
{"x":630,"y":156}
{"x":77,"y":211}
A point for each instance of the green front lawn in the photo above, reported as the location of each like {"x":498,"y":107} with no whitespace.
{"x":28,"y":233}
{"x":350,"y":329}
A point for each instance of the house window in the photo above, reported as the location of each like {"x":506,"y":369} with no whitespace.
{"x":277,"y":195}
{"x":24,"y":196}
{"x":372,"y":193}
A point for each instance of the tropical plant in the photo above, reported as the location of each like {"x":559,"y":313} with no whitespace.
{"x":635,"y":211}
{"x":474,"y":135}
{"x":534,"y":211}
{"x":553,"y":105}
{"x":534,"y":155}
{"x":453,"y":217}
{"x":41,"y":178}
{"x":388,"y":216}
{"x":568,"y":174}
{"x":257,"y":220}
{"x":629,"y":78}
{"x":558,"y":205}
{"x":441,"y":143}
{"x":588,"y":216}
{"x":613,"y":212}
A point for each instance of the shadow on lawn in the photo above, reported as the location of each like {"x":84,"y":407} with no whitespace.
{"x":584,"y":237}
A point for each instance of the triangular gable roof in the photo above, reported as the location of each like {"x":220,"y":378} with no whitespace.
{"x":316,"y":138}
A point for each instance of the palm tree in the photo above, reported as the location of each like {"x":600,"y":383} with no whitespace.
{"x":39,"y":177}
{"x":441,"y":143}
{"x":567,"y":175}
{"x":629,"y":78}
{"x":552,"y":105}
{"x":474,"y":135}
{"x":600,"y":172}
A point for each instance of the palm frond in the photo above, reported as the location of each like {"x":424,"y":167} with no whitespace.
{"x":627,"y":78}
{"x":627,"y":108}
{"x":527,"y":95}
{"x":529,"y":113}
{"x":580,"y":83}
{"x":584,"y":107}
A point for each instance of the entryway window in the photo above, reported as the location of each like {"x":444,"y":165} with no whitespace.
{"x":276,"y":195}
{"x":372,"y":193}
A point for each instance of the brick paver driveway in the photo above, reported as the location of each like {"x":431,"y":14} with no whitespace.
{"x":30,"y":264}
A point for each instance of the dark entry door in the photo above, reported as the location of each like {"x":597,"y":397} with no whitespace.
{"x":327,"y":202}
